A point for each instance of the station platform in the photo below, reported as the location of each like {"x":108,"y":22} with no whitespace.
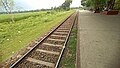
{"x":99,"y":40}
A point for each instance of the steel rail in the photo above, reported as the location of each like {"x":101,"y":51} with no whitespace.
{"x":68,"y":36}
{"x":19,"y":60}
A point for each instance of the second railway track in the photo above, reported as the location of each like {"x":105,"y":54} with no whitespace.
{"x":48,"y":52}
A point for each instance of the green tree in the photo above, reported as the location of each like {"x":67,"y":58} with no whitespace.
{"x":94,"y":3}
{"x":117,"y":4}
{"x":101,"y":3}
{"x":66,"y":4}
{"x":88,"y":3}
{"x":83,"y":2}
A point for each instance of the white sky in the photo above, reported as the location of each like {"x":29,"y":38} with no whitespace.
{"x":39,"y":4}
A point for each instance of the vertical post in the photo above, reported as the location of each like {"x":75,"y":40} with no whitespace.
{"x":5,"y":6}
{"x":113,"y":3}
{"x":8,"y":6}
{"x":97,"y":5}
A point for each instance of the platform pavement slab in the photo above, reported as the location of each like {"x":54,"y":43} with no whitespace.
{"x":99,"y":40}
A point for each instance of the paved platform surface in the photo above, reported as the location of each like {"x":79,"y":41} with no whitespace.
{"x":99,"y":40}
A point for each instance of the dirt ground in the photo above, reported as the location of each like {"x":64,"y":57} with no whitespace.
{"x":99,"y":40}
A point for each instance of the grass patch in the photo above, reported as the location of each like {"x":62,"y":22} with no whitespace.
{"x":19,"y":16}
{"x":14,"y":36}
{"x":69,"y":57}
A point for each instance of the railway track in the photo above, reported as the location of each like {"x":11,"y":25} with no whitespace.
{"x":48,"y":52}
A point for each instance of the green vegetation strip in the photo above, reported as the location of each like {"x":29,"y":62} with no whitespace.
{"x":19,"y":16}
{"x":14,"y":36}
{"x":69,"y":57}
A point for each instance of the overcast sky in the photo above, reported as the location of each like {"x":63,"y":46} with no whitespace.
{"x":39,"y":4}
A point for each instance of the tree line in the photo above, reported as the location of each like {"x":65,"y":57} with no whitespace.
{"x":8,"y":5}
{"x":101,"y":3}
